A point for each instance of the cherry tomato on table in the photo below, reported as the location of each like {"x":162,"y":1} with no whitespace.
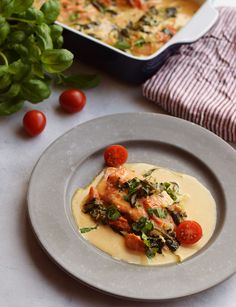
{"x":115,"y":155}
{"x":188,"y":232}
{"x":34,"y":122}
{"x":72,"y":100}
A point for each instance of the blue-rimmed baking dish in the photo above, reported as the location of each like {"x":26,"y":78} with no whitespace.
{"x":131,"y":68}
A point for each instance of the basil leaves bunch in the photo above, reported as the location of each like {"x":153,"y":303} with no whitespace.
{"x":31,"y":53}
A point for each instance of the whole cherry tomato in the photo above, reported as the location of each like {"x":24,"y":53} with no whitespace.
{"x":188,"y":232}
{"x":34,"y":122}
{"x":115,"y":155}
{"x":72,"y":100}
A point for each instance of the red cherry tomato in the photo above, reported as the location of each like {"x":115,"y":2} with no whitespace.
{"x":34,"y":122}
{"x":137,"y":4}
{"x":72,"y":100}
{"x":115,"y":155}
{"x":188,"y":232}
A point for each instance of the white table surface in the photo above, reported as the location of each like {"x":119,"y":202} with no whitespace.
{"x":27,"y":276}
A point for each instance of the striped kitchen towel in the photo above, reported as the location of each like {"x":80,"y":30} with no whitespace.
{"x":198,"y":83}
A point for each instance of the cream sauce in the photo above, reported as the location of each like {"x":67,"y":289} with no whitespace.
{"x":199,"y":205}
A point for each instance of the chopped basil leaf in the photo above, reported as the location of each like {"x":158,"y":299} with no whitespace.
{"x":149,"y":172}
{"x":137,"y":188}
{"x":172,"y":194}
{"x":87,"y":229}
{"x":151,"y":252}
{"x":73,"y":16}
{"x":113,"y":213}
{"x":132,"y":185}
{"x":150,"y":211}
{"x":126,"y":198}
{"x":139,"y":42}
{"x":123,"y":45}
{"x":159,"y":212}
{"x":96,"y":209}
{"x":171,"y":189}
{"x":153,"y":245}
{"x":143,"y":225}
{"x":149,"y":21}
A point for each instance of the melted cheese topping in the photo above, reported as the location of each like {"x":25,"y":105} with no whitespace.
{"x":137,"y":27}
{"x":199,"y":205}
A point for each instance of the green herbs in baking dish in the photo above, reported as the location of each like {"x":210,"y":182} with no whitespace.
{"x":137,"y":27}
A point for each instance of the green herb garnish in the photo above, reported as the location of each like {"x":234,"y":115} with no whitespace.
{"x":113,"y":213}
{"x":132,"y":185}
{"x":149,"y":21}
{"x":159,"y":212}
{"x":97,"y":210}
{"x":149,"y":172}
{"x":123,"y":45}
{"x":139,"y":42}
{"x":73,"y":16}
{"x":171,"y":189}
{"x":137,"y":188}
{"x":143,"y":225}
{"x":87,"y":229}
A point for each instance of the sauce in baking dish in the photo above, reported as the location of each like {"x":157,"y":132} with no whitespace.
{"x":192,"y":202}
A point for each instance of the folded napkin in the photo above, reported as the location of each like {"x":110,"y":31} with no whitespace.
{"x":198,"y":82}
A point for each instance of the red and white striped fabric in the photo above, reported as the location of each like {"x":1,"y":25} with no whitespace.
{"x":198,"y":83}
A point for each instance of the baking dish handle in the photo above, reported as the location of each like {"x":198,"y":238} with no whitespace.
{"x":201,"y":22}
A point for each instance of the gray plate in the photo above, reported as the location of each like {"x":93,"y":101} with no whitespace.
{"x":76,"y":157}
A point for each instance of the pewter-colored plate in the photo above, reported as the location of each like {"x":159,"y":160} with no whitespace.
{"x":77,"y":156}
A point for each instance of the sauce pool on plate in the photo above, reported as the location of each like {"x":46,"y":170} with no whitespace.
{"x":146,"y":203}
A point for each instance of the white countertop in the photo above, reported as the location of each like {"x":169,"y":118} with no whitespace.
{"x":27,"y":276}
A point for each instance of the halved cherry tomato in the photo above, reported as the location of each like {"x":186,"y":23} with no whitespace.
{"x":188,"y":232}
{"x":72,"y":100}
{"x":115,"y":155}
{"x":34,"y":122}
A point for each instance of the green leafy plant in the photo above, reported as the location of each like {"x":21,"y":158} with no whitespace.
{"x":31,"y":54}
